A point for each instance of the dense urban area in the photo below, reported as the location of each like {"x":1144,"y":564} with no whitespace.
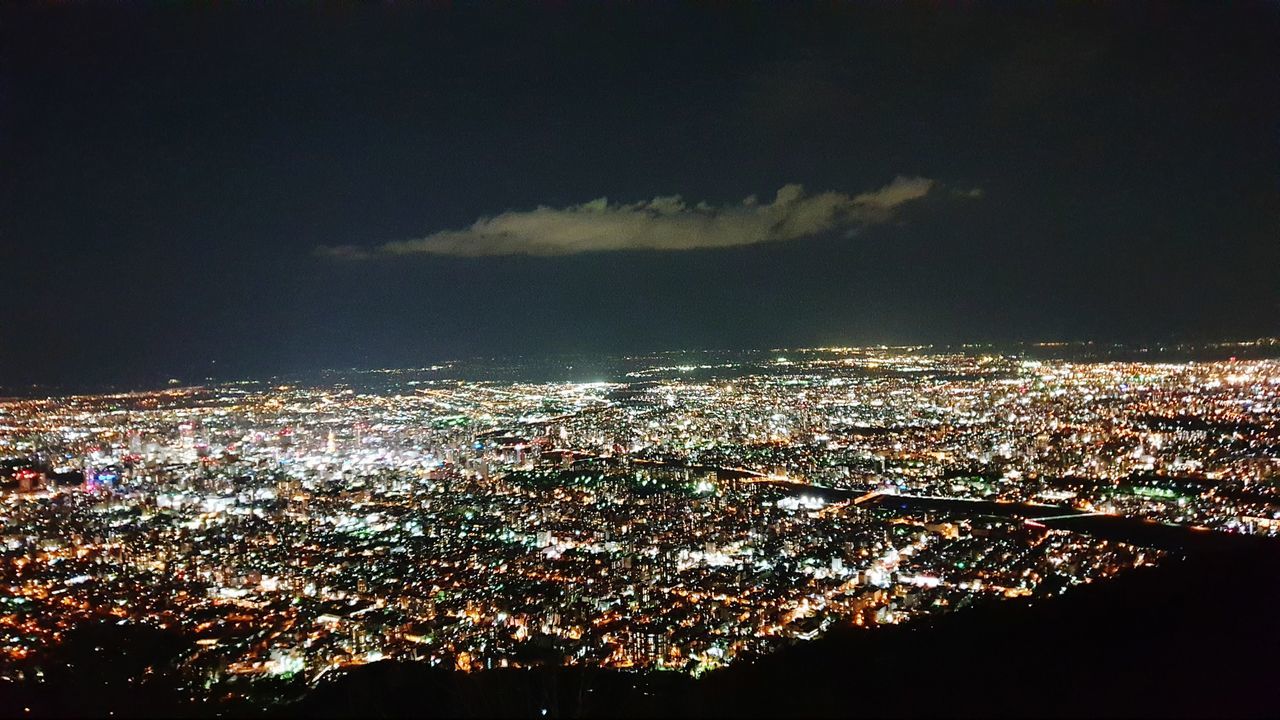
{"x":678,"y":511}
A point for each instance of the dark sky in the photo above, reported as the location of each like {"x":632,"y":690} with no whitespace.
{"x":168,"y":171}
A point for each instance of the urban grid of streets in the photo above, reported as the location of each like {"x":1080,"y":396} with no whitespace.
{"x":702,"y":509}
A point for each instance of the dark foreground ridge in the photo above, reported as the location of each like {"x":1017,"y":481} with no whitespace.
{"x":1197,"y":637}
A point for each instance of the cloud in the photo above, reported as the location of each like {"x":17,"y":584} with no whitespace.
{"x":663,"y":223}
{"x":344,"y":252}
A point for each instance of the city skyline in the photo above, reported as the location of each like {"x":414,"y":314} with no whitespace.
{"x":589,"y":367}
{"x":618,"y":358}
{"x":693,"y":513}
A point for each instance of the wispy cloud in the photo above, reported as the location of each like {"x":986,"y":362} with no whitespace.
{"x":663,"y":223}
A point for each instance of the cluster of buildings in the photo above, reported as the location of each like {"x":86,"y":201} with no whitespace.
{"x":693,"y":511}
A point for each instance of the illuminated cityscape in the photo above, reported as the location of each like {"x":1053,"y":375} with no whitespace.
{"x":615,"y":359}
{"x":699,"y":510}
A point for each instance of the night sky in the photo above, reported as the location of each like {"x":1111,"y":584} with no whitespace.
{"x":222,"y":189}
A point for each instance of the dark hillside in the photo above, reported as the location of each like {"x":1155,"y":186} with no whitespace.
{"x":1196,"y":638}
